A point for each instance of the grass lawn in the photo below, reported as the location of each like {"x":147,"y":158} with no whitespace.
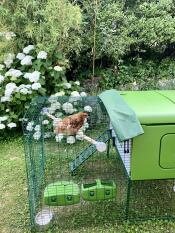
{"x":14,"y":216}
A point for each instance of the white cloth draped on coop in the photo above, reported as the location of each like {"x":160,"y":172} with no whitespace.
{"x":123,"y":118}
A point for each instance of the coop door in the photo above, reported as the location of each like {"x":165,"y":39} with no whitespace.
{"x":167,"y":151}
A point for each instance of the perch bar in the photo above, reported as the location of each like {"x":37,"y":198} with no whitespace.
{"x":100,"y":146}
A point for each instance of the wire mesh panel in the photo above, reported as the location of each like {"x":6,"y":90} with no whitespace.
{"x":73,"y":179}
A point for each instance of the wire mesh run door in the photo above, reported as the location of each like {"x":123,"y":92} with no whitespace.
{"x":72,"y":181}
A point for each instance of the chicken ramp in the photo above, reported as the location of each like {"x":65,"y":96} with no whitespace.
{"x":88,"y":152}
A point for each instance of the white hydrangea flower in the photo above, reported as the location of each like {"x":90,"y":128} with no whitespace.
{"x":37,"y":128}
{"x":27,"y":75}
{"x":2,"y":126}
{"x":67,"y":85}
{"x":30,"y":126}
{"x":28,"y":86}
{"x":68,"y":107}
{"x":61,"y":93}
{"x":9,"y":35}
{"x":52,"y":99}
{"x":1,"y":67}
{"x":7,"y":110}
{"x":11,"y":125}
{"x":58,"y":68}
{"x":74,"y":96}
{"x":71,"y":140}
{"x":21,"y":86}
{"x":9,"y":59}
{"x":1,"y":79}
{"x":77,"y":83}
{"x":8,"y":92}
{"x":13,"y":73}
{"x":24,"y":91}
{"x":83,"y":94}
{"x":9,"y":89}
{"x":20,"y":56}
{"x":8,"y":73}
{"x":8,"y":63}
{"x":55,"y":106}
{"x":3,"y":118}
{"x":5,"y":99}
{"x":59,"y":137}
{"x":33,"y":77}
{"x":37,"y":135}
{"x":11,"y":86}
{"x":51,"y":110}
{"x":45,"y":122}
{"x":36,"y":86}
{"x":27,"y":49}
{"x":75,"y":93}
{"x":27,"y":60}
{"x":87,"y":108}
{"x":42,"y":55}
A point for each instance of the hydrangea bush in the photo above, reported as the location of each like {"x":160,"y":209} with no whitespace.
{"x":59,"y":108}
{"x":26,"y":75}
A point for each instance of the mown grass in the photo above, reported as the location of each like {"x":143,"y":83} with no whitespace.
{"x":14,"y":214}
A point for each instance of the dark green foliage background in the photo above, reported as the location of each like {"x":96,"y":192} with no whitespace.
{"x":134,"y":40}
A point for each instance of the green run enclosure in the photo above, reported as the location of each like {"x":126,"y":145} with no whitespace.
{"x":72,"y":184}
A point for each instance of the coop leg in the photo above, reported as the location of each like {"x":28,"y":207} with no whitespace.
{"x":128,"y":199}
{"x":108,"y":148}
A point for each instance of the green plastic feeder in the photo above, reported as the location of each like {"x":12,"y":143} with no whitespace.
{"x":99,"y":190}
{"x":61,"y":194}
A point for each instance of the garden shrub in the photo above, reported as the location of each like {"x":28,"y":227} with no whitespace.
{"x":131,"y":43}
{"x":51,"y":24}
{"x":26,"y":75}
{"x":139,"y":74}
{"x":126,"y":30}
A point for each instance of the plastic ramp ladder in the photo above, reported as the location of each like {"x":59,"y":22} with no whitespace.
{"x":89,"y":151}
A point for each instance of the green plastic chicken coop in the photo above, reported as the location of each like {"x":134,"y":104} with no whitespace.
{"x":131,"y":179}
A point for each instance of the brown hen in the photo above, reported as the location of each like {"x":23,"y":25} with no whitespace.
{"x":71,"y":124}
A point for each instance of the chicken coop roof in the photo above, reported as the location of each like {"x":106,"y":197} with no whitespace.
{"x":152,"y":107}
